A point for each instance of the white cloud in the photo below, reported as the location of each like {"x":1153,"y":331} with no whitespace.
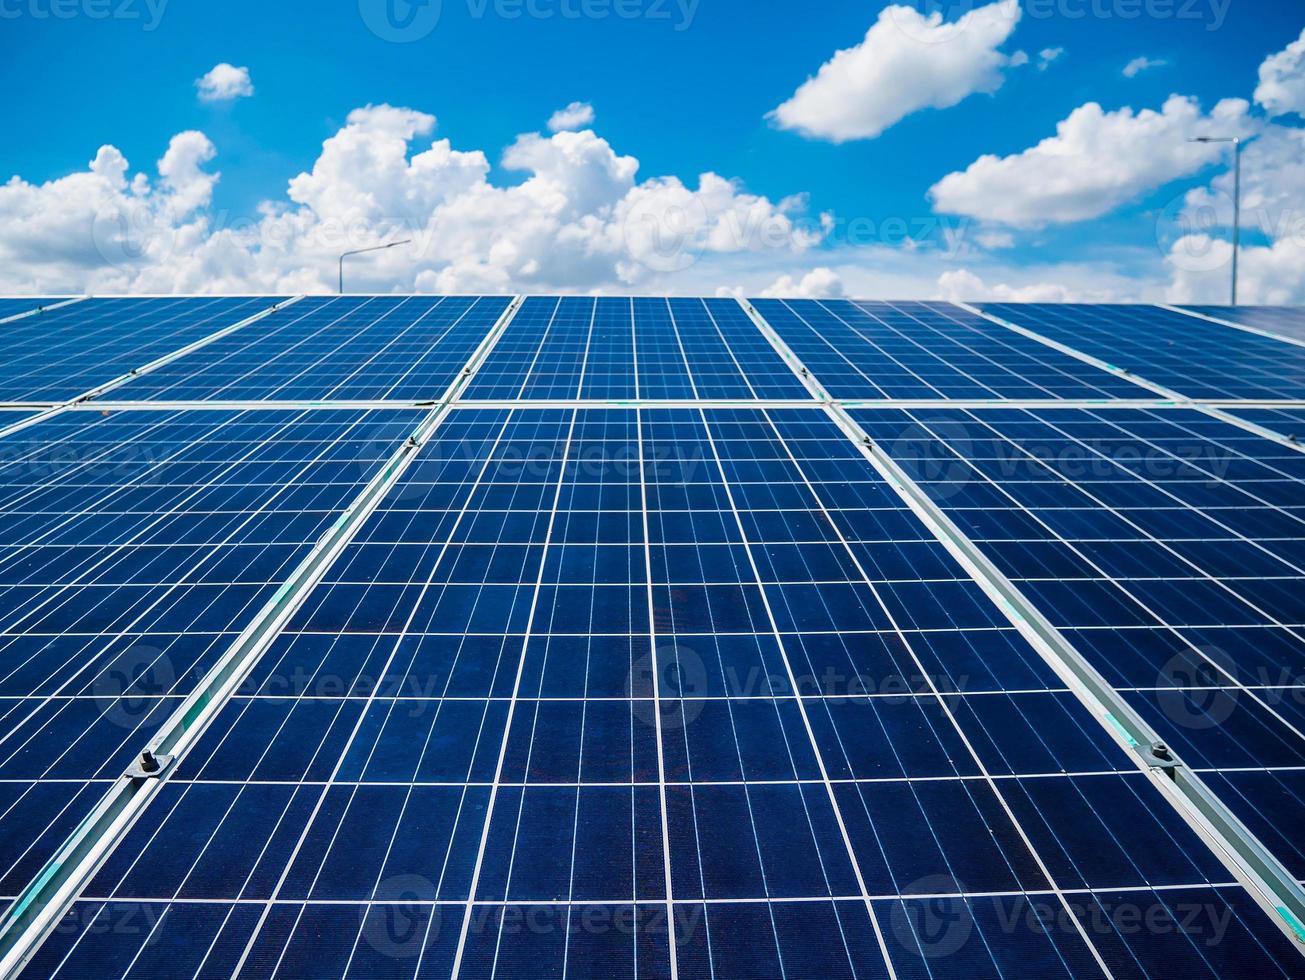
{"x":1269,"y":274}
{"x":1049,"y":56}
{"x":961,"y":285}
{"x":577,"y":115}
{"x":1282,"y":80}
{"x":1273,"y":188}
{"x":906,"y":63}
{"x":993,"y":240}
{"x":1097,"y":161}
{"x":821,"y":283}
{"x":1273,"y":221}
{"x":224,"y":83}
{"x":581,"y":220}
{"x":1141,"y":64}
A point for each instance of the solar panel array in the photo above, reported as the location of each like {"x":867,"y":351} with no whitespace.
{"x":1283,"y":320}
{"x":1188,"y":355}
{"x":644,"y":638}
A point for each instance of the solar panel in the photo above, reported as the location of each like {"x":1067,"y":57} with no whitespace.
{"x":10,"y":417}
{"x":626,"y":349}
{"x":1289,"y":321}
{"x":603,"y":670}
{"x":700,"y":686}
{"x":928,"y":350}
{"x":133,"y":547}
{"x":1194,"y":357}
{"x":351,"y":348}
{"x":1165,"y":544}
{"x":65,"y":352}
{"x":1285,"y":421}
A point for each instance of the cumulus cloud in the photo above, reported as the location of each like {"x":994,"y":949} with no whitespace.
{"x":1141,"y":64}
{"x":1273,"y":262}
{"x":962,"y":286}
{"x":1273,"y":274}
{"x":225,"y":83}
{"x":577,"y":115}
{"x":821,"y":283}
{"x":1097,"y":161}
{"x":582,"y":219}
{"x":1282,"y":80}
{"x":907,"y":62}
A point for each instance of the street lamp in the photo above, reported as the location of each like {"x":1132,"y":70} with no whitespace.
{"x":360,"y":251}
{"x":1236,"y":141}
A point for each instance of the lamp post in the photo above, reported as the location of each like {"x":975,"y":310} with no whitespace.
{"x":361,"y":251}
{"x":1236,"y":142}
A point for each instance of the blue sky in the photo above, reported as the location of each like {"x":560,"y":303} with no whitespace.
{"x":684,"y":87}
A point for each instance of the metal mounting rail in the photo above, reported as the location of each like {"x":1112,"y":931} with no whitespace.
{"x":1264,"y":876}
{"x":804,"y":374}
{"x":1246,"y":328}
{"x":37,"y":910}
{"x":392,"y":404}
{"x":1180,"y":400}
{"x":43,"y":309}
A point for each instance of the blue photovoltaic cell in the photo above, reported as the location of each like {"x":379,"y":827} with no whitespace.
{"x":1289,"y":321}
{"x":610,"y":348}
{"x":13,"y":306}
{"x":10,"y":417}
{"x":862,"y":350}
{"x":1186,"y":354}
{"x":63,"y":353}
{"x":1284,"y":421}
{"x":348,"y":348}
{"x":1168,"y":546}
{"x":594,"y":689}
{"x":133,"y":548}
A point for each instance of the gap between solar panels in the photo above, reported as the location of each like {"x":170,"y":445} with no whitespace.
{"x":36,"y":912}
{"x":1272,"y":886}
{"x":1177,"y":397}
